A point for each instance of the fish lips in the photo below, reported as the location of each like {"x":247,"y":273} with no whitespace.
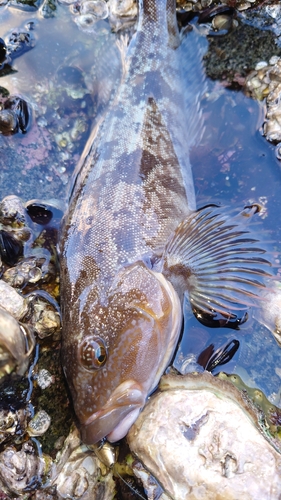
{"x":117,"y":415}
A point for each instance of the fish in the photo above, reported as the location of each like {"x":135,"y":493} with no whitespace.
{"x":133,"y":242}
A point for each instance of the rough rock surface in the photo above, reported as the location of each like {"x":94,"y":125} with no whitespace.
{"x":200,"y":444}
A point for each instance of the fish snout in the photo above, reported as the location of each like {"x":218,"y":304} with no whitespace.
{"x":117,"y":416}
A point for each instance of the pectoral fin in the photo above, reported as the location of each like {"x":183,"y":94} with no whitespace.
{"x":217,"y":260}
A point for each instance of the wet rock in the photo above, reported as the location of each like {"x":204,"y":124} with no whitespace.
{"x":214,"y":444}
{"x":25,"y":5}
{"x":272,"y":129}
{"x":12,"y":301}
{"x":19,"y":42}
{"x":122,"y":14}
{"x":98,"y":9}
{"x":12,"y":211}
{"x":232,"y":57}
{"x":16,"y":344}
{"x":48,"y":8}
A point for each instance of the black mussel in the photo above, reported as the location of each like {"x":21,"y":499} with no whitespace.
{"x":10,"y":248}
{"x":4,"y":92}
{"x":8,"y":122}
{"x":208,"y":14}
{"x":6,"y":69}
{"x":20,"y":107}
{"x":39,"y":214}
{"x":3,"y":50}
{"x":218,"y":320}
{"x":19,"y":42}
{"x":184,"y":17}
{"x":209,"y":359}
{"x":42,"y":213}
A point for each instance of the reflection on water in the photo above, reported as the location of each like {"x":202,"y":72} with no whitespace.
{"x":59,"y":77}
{"x":233,"y":164}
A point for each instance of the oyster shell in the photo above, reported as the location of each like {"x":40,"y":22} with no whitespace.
{"x":77,"y":473}
{"x":215,"y":448}
{"x":21,"y":470}
{"x":16,"y":344}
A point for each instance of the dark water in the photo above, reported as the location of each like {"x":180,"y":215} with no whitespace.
{"x":233,"y":165}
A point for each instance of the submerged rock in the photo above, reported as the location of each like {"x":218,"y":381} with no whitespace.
{"x":215,"y":441}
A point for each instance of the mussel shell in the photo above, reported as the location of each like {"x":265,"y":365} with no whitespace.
{"x":184,"y":17}
{"x":42,"y":213}
{"x":3,"y":50}
{"x":20,"y":107}
{"x":207,"y":15}
{"x":10,"y":248}
{"x":9,"y":123}
{"x":211,"y":359}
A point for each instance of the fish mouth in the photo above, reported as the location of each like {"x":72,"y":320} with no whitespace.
{"x":117,"y":415}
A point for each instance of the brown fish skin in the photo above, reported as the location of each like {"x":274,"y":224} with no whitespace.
{"x":128,"y":198}
{"x":133,"y":188}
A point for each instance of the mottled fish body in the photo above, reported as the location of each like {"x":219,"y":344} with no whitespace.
{"x":132,"y":243}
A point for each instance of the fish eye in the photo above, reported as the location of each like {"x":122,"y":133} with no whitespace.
{"x":92,"y":353}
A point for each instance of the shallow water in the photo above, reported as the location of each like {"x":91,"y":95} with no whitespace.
{"x":233,"y":165}
{"x":39,"y":164}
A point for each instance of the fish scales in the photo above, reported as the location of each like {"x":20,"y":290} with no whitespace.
{"x":132,"y":201}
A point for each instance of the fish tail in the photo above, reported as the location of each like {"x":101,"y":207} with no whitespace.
{"x":218,"y":261}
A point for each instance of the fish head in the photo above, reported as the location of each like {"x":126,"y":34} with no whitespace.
{"x":126,"y":345}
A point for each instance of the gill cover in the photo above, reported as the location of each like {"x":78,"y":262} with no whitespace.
{"x":142,"y":321}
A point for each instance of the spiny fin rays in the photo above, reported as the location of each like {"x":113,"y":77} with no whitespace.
{"x":217,"y":260}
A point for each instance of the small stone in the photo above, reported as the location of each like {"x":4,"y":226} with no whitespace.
{"x":260,"y":65}
{"x":45,"y":379}
{"x":39,"y":424}
{"x":12,"y":301}
{"x":273,"y":60}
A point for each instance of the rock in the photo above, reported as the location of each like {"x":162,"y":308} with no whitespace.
{"x":200,"y":441}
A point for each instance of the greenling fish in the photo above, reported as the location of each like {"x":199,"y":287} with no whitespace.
{"x":132,"y":242}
